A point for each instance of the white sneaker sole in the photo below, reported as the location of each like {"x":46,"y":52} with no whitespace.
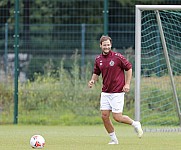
{"x":139,"y":130}
{"x":113,"y":142}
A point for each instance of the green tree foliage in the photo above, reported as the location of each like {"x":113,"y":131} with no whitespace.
{"x":46,"y":24}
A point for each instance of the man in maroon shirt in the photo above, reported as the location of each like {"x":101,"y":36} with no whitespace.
{"x":116,"y":72}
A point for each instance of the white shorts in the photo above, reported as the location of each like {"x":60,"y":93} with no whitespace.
{"x":112,"y":101}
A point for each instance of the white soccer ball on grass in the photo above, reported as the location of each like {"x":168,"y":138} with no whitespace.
{"x":37,"y":141}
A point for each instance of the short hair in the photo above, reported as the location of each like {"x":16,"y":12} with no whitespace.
{"x":105,"y":38}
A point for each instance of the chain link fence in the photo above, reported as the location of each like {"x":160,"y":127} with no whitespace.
{"x":56,"y":30}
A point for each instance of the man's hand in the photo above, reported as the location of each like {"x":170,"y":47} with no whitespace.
{"x":126,"y":88}
{"x":90,"y":83}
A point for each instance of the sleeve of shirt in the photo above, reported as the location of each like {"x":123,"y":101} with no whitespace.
{"x":125,"y":64}
{"x":96,"y":68}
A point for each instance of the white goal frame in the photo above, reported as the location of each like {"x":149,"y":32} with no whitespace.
{"x":156,"y":8}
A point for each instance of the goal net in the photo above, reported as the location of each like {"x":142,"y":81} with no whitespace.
{"x":158,"y":65}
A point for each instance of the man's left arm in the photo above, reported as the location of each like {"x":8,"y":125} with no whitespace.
{"x":128,"y":76}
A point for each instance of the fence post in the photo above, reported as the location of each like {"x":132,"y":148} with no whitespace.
{"x":6,"y":50}
{"x":16,"y":66}
{"x":105,"y":11}
{"x":83,"y":50}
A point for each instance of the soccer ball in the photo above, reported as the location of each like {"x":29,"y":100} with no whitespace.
{"x":37,"y":141}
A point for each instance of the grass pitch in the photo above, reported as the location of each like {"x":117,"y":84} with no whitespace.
{"x":16,"y":137}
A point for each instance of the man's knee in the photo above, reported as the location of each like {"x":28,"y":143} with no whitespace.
{"x":105,"y":115}
{"x":118,"y":117}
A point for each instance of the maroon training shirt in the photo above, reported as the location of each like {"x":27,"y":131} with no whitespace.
{"x":112,"y":67}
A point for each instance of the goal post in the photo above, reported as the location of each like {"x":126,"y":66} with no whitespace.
{"x":157,"y":64}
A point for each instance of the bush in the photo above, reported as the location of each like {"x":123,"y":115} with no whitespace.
{"x":60,"y":96}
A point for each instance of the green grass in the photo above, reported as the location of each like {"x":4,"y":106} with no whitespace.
{"x":16,"y":137}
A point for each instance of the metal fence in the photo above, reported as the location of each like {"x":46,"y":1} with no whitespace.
{"x":37,"y":31}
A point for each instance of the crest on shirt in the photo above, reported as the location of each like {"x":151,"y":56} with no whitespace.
{"x":111,"y":63}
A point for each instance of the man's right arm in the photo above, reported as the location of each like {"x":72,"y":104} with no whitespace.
{"x":93,"y":80}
